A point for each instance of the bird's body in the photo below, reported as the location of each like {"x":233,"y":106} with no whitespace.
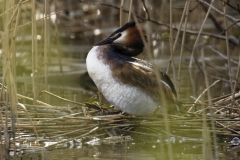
{"x":130,"y":84}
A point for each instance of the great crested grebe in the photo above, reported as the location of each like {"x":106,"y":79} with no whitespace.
{"x":128,"y":83}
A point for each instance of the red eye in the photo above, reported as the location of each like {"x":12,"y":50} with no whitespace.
{"x":119,"y":34}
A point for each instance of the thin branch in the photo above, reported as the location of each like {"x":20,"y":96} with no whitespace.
{"x":167,"y":25}
{"x":185,"y":12}
{"x":213,"y":19}
{"x":227,"y":47}
{"x":145,"y":8}
{"x":199,"y":33}
{"x":210,"y":75}
{"x":230,"y":26}
{"x":130,"y":8}
{"x":205,"y":90}
{"x":231,"y":6}
{"x":121,"y":13}
{"x":221,"y":54}
{"x":190,"y":10}
{"x":63,"y":99}
{"x":218,"y":11}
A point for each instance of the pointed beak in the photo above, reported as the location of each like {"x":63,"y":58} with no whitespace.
{"x":105,"y":41}
{"x":108,"y":40}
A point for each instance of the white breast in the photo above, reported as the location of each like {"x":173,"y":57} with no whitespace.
{"x":124,"y":97}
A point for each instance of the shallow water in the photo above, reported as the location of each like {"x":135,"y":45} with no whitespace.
{"x":185,"y":143}
{"x":136,"y":148}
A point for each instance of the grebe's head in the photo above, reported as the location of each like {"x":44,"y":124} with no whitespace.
{"x":127,"y":39}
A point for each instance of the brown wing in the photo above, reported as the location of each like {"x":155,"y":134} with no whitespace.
{"x":139,"y":73}
{"x":143,"y":76}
